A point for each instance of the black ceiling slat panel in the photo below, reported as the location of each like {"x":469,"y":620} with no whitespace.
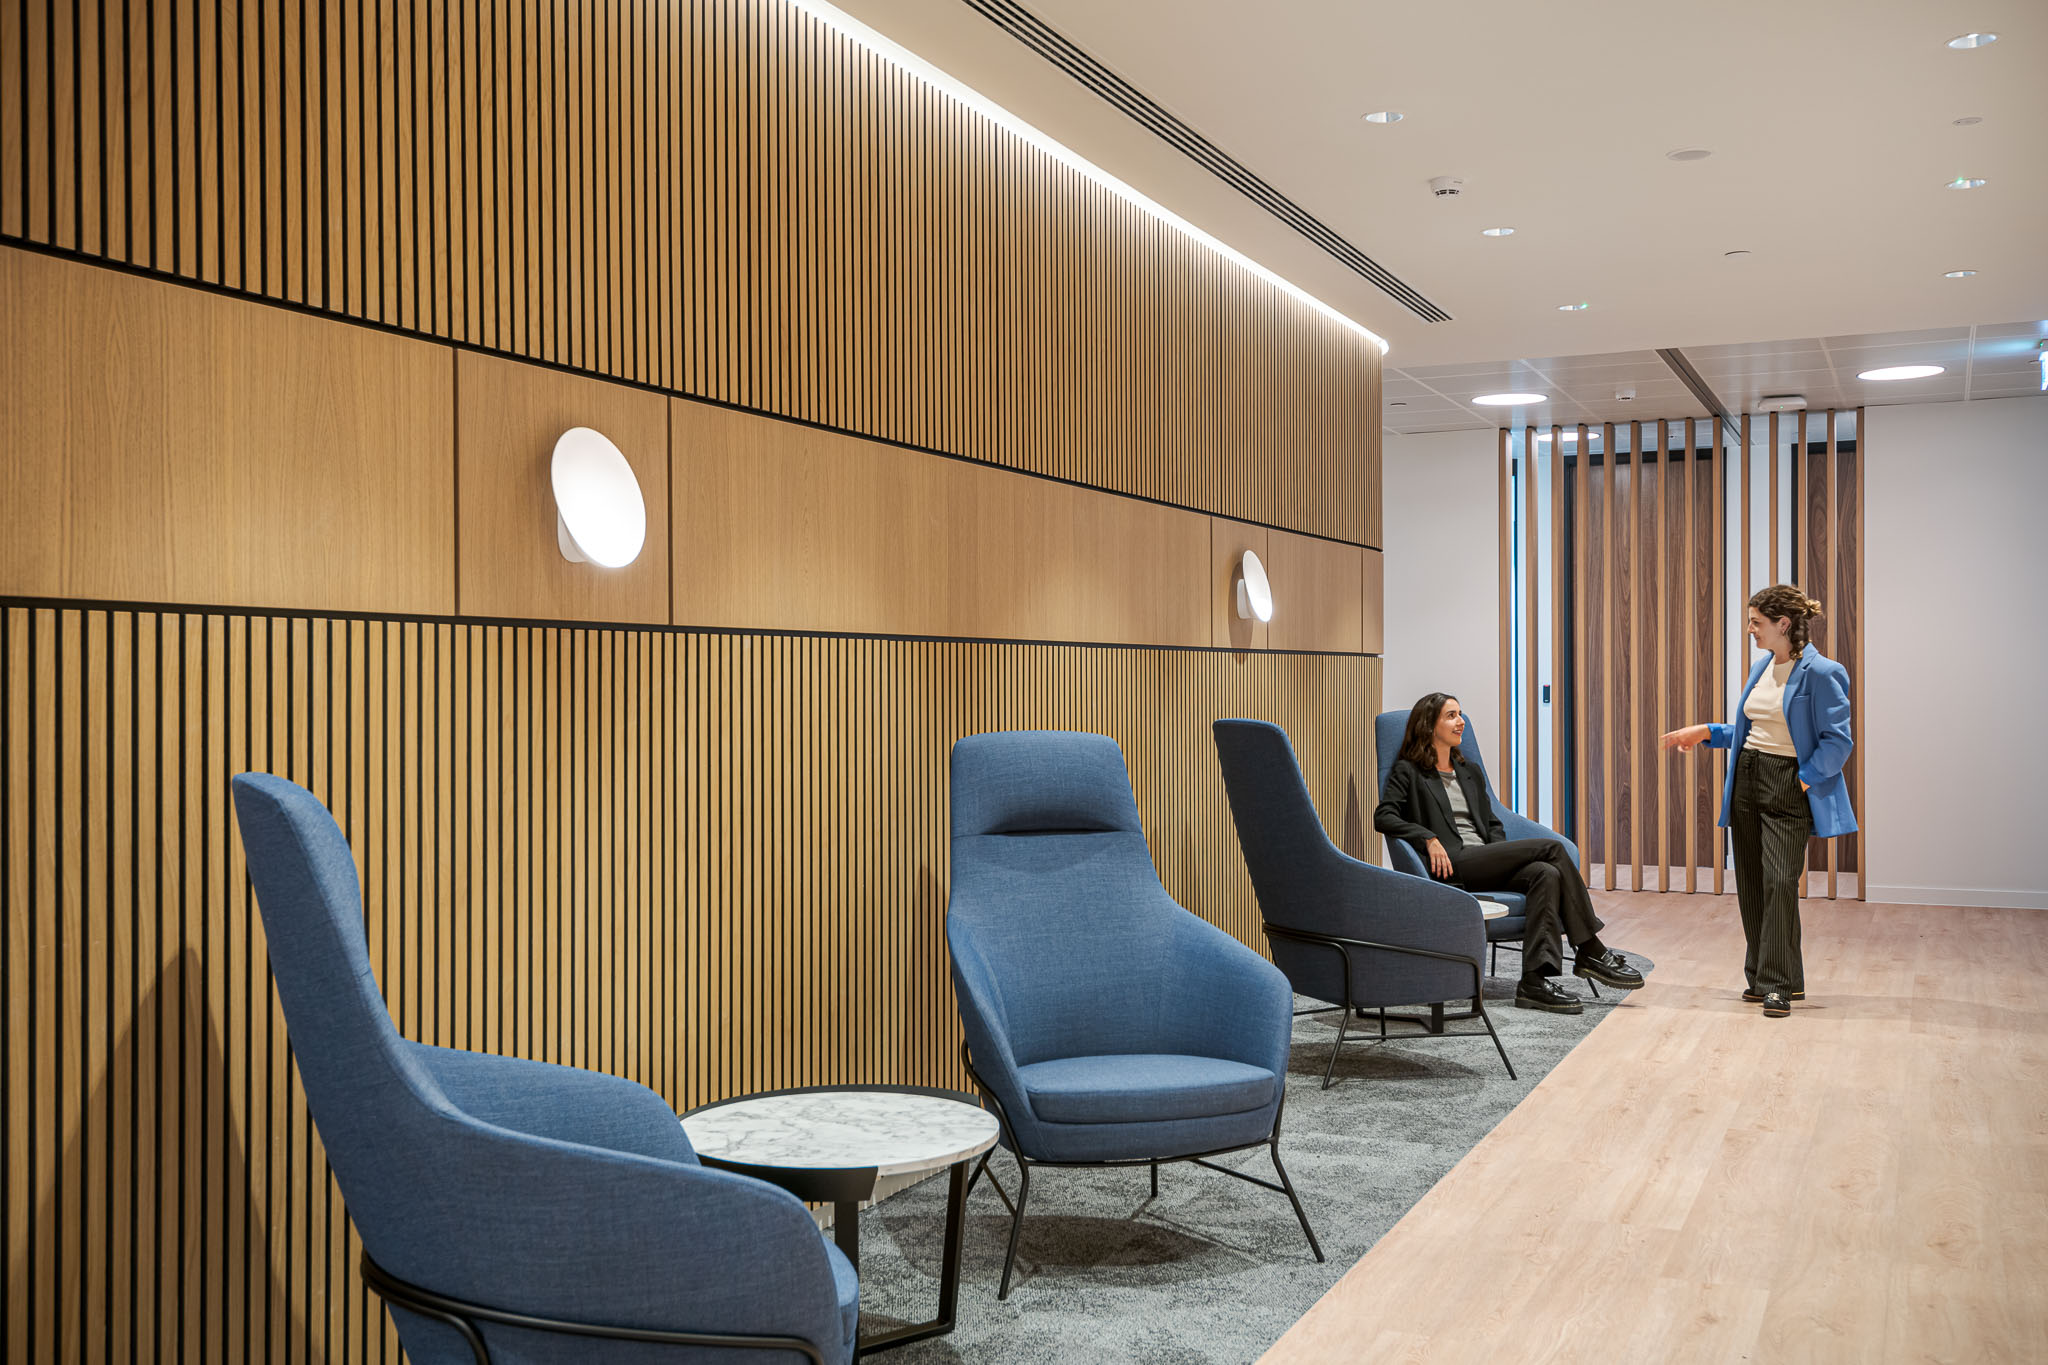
{"x":1032,"y":31}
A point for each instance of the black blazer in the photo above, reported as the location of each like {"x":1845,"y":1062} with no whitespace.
{"x":1413,"y":807}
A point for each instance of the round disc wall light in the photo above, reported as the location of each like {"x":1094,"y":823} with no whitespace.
{"x":600,"y":517}
{"x":1254,"y":593}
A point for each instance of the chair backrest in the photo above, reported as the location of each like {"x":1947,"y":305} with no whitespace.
{"x":1290,"y":855}
{"x":368,"y":1095}
{"x":1055,"y":912}
{"x":1389,"y":726}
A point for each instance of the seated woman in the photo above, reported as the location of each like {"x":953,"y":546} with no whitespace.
{"x":1437,"y":802}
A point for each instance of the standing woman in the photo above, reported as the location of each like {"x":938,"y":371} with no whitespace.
{"x":1791,"y":739}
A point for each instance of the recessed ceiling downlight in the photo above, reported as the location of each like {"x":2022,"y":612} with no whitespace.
{"x":1509,"y":400}
{"x":600,"y":516}
{"x":1964,"y":182}
{"x":1957,"y":274}
{"x":1890,"y":372}
{"x":1964,"y":41}
{"x":1967,"y":120}
{"x":1579,"y":307}
{"x":1687,"y":154}
{"x":1497,"y":232}
{"x":1385,"y":116}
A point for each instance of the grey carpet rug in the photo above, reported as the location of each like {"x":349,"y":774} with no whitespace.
{"x":1214,"y":1269}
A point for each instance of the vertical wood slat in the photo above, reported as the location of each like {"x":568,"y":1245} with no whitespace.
{"x":1531,"y":767}
{"x":1557,"y":605}
{"x":1717,"y":659}
{"x":1609,"y":643}
{"x":176,"y":1185}
{"x":1771,"y":519}
{"x":1831,"y":593}
{"x":1634,"y":728}
{"x":1508,"y":765}
{"x":1659,"y":689}
{"x":732,"y":203}
{"x":1862,"y":599}
{"x":1689,"y":673}
{"x":1802,"y":562}
{"x":1581,"y":672}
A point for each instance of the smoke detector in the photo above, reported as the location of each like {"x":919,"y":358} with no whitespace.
{"x":1781,"y":402}
{"x":1447,"y":186}
{"x":1624,"y":395}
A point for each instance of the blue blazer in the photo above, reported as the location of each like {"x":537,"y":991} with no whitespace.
{"x":1817,"y":713}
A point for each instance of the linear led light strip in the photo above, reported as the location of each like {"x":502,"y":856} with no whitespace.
{"x":841,"y":22}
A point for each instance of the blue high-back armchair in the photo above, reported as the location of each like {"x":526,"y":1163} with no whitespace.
{"x":1106,"y":1024}
{"x":533,"y":1212}
{"x":1344,"y":931}
{"x":1387,"y":731}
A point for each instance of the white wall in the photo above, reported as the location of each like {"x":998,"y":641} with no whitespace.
{"x":1957,"y":654}
{"x":1440,"y":493}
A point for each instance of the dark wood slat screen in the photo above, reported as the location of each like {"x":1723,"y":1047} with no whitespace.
{"x":1641,"y":539}
{"x":725,"y":200}
{"x":713,"y":862}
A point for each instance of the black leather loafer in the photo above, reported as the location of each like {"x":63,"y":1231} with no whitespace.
{"x":1756,"y":997}
{"x":1776,"y":1006}
{"x":1609,"y":969}
{"x":1541,"y":995}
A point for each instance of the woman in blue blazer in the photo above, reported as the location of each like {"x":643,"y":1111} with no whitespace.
{"x":1791,"y":737}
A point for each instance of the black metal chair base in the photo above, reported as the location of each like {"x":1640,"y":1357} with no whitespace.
{"x":464,"y":1317}
{"x":1016,"y":1207}
{"x":1433,"y":1025}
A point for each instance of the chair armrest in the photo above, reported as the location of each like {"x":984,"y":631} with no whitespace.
{"x":1229,"y":1002}
{"x":561,"y":1102}
{"x":565,"y":1231}
{"x":1374,"y":905}
{"x":1522,"y":827}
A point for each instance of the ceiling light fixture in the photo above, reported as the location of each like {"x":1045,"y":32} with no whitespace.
{"x":1964,"y":42}
{"x":1736,"y":255}
{"x":1891,"y":372}
{"x":1781,"y":402}
{"x":600,"y":517}
{"x":1497,"y":232}
{"x":1967,"y":121}
{"x":2041,"y":350}
{"x":1579,"y":307}
{"x":1509,"y":400}
{"x":1964,"y":182}
{"x":1385,"y":116}
{"x":1687,"y":154}
{"x":840,"y":22}
{"x":1571,"y":438}
{"x":1958,"y":274}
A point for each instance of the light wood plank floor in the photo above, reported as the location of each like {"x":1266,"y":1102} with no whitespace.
{"x":1865,"y":1181}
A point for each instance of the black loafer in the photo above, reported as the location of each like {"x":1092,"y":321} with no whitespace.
{"x":1609,"y":969}
{"x":1541,"y":995}
{"x":1776,"y":1006}
{"x":1756,"y":997}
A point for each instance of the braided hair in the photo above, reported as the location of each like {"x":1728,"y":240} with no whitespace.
{"x":1786,"y":602}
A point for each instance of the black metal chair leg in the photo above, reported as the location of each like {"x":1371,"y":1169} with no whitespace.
{"x":1155,"y":1180}
{"x":1486,"y":1019}
{"x":1016,"y":1224}
{"x":1273,"y":1147}
{"x":1343,"y":1022}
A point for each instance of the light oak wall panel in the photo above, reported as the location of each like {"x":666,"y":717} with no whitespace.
{"x":167,"y":443}
{"x":627,"y":849}
{"x":508,"y":417}
{"x":1373,"y":604}
{"x":791,"y":528}
{"x":723,"y":200}
{"x":1321,"y":584}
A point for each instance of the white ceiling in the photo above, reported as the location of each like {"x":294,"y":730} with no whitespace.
{"x":1830,"y":123}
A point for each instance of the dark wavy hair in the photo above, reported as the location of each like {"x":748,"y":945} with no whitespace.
{"x":1784,"y":601}
{"x":1418,"y":741}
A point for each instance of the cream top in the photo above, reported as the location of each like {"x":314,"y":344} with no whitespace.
{"x":1765,"y":708}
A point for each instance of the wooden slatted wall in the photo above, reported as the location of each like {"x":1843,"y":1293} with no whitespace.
{"x":713,"y":862}
{"x":1651,"y":612}
{"x":723,"y":199}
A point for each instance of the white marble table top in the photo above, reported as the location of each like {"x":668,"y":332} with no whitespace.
{"x":1491,"y":909}
{"x":894,"y":1132}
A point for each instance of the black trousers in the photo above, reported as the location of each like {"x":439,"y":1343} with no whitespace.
{"x":1769,"y":824}
{"x":1548,"y":879}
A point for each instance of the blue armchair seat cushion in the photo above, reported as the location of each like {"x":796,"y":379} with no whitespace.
{"x":846,"y":1282}
{"x":1148,"y":1087}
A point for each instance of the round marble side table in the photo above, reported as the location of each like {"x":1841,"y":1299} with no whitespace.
{"x":831,"y":1144}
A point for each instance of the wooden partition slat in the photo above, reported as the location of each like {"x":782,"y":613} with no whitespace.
{"x":1771,"y":522}
{"x":1853,"y":525}
{"x":1631,"y":653}
{"x":1688,"y":619}
{"x":1717,"y":688}
{"x":1506,"y":734}
{"x":626,"y":849}
{"x":1531,"y":674}
{"x":1558,"y":703}
{"x":1803,"y":559}
{"x":1830,"y":593}
{"x":1581,"y":673}
{"x":1609,"y":642}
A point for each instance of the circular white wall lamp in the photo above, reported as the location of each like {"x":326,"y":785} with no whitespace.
{"x":600,"y":517}
{"x":1254,"y":593}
